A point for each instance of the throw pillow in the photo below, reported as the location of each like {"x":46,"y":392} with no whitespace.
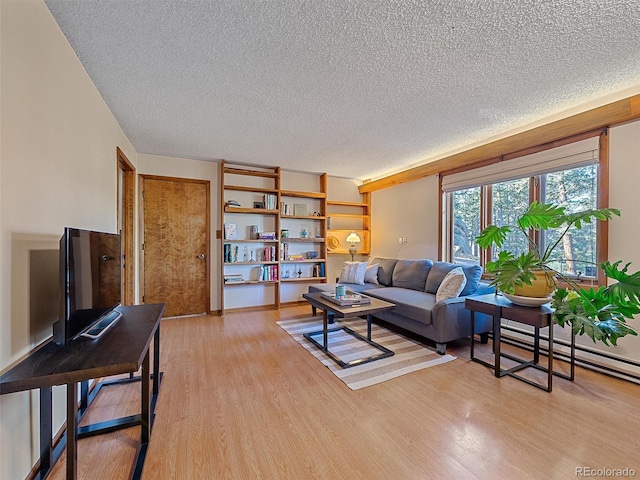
{"x":353,"y":272}
{"x":371,"y":274}
{"x":451,"y":285}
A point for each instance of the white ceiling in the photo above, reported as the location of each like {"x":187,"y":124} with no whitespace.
{"x":354,"y":88}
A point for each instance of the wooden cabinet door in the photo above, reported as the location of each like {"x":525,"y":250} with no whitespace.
{"x":176,"y":244}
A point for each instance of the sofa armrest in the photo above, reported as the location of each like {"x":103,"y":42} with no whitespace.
{"x":451,"y":320}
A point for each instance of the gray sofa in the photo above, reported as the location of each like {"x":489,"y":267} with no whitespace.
{"x":412,"y":286}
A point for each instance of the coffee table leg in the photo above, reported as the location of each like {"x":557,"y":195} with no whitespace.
{"x":325,"y":341}
{"x":368,"y":326}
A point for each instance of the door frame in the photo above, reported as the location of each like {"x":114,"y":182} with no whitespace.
{"x":141,"y":180}
{"x":126,"y":216}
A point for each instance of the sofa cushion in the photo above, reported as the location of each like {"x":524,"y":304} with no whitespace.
{"x":452,"y":285}
{"x":411,"y":274}
{"x":385,"y":269}
{"x":409,"y":303}
{"x":371,"y":274}
{"x":439,"y":270}
{"x":473,"y":274}
{"x":353,"y":272}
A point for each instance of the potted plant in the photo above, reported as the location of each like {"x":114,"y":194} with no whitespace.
{"x":602,"y":312}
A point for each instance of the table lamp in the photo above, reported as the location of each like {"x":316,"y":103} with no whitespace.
{"x":353,"y":238}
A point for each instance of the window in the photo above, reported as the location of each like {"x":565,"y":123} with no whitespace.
{"x":501,"y":192}
{"x":466,"y":225}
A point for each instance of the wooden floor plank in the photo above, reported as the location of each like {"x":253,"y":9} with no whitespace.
{"x":241,"y":399}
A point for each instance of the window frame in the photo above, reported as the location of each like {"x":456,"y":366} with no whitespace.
{"x":602,"y":201}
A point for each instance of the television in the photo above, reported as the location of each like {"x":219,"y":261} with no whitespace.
{"x":90,"y":281}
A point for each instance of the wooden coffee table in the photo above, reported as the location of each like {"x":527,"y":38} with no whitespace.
{"x":316,"y":300}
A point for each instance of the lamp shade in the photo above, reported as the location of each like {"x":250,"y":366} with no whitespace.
{"x":353,"y":238}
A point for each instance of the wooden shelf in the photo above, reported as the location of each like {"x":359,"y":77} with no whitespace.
{"x":300,"y":217}
{"x":241,"y":188}
{"x":293,"y":193}
{"x":347,"y":204}
{"x":255,"y":262}
{"x":255,"y":211}
{"x":302,"y":240}
{"x":251,"y":282}
{"x":348,"y":215}
{"x":251,"y":173}
{"x":305,"y":260}
{"x":304,"y":279}
{"x":244,"y":240}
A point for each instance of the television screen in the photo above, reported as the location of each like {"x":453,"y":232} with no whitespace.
{"x":90,"y":279}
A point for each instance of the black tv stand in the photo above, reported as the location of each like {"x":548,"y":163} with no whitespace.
{"x":124,"y":350}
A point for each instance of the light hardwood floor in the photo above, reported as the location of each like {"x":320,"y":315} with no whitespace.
{"x":240,"y":399}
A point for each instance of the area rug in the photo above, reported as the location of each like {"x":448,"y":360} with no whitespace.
{"x":410,"y":356}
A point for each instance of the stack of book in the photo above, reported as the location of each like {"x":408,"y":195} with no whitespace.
{"x":267,"y":235}
{"x":233,"y":278}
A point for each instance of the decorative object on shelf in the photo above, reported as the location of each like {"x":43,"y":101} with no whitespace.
{"x":232,"y":203}
{"x":333,"y":243}
{"x":230,"y":231}
{"x":253,"y":232}
{"x":304,"y":231}
{"x":312,"y":254}
{"x":601,"y":312}
{"x":284,"y":233}
{"x":353,"y":238}
{"x":258,"y":205}
{"x":300,"y":209}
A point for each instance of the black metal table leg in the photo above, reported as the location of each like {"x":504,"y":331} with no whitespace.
{"x":72,"y":431}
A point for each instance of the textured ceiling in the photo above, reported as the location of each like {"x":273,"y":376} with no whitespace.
{"x":355,"y":88}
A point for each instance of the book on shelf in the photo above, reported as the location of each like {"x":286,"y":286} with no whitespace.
{"x":346,"y":300}
{"x":233,"y":278}
{"x":270,"y":201}
{"x":267,"y":273}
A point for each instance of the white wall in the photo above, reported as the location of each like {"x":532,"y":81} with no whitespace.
{"x":409,"y":210}
{"x":58,"y":167}
{"x":624,"y":232}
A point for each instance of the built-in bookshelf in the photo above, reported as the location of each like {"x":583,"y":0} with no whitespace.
{"x":343,"y":218}
{"x":269,"y":236}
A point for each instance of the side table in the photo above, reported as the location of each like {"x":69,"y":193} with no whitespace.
{"x":538,"y":317}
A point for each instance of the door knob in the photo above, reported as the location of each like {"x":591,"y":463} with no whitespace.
{"x":201,"y":256}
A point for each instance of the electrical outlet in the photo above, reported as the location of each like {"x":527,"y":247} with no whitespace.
{"x":402,"y":240}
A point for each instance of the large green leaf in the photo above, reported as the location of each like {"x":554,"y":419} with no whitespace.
{"x":511,"y":272}
{"x":492,"y":235}
{"x":628,"y":286}
{"x":541,"y":216}
{"x":588,"y":312}
{"x":586,"y":216}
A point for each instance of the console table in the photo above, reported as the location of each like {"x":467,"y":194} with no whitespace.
{"x":538,"y":317}
{"x":122,"y":349}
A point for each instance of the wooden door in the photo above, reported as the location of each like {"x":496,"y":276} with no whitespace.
{"x":176,"y":244}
